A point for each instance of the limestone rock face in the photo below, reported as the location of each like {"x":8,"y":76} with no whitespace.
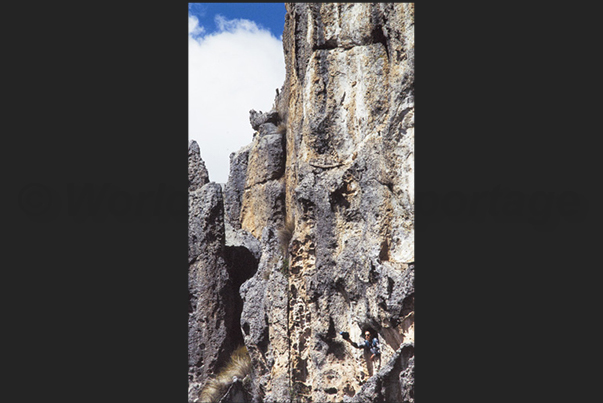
{"x":394,"y":383}
{"x":197,"y":173}
{"x":211,"y":304}
{"x":264,"y":321}
{"x":321,"y":205}
{"x":259,"y":118}
{"x":219,"y":262}
{"x":348,"y":181}
{"x":263,"y":201}
{"x":235,"y":186}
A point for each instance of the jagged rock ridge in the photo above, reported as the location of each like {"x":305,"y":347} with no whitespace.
{"x":320,"y":212}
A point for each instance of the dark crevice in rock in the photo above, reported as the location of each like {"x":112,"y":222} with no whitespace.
{"x":340,"y":286}
{"x":331,"y":390}
{"x":284,"y":147}
{"x":242,"y":265}
{"x":300,"y":371}
{"x":384,"y":253}
{"x":264,"y":338}
{"x":338,"y":199}
{"x":335,"y":346}
{"x":377,"y":36}
{"x":408,"y":305}
{"x":192,"y":302}
{"x":327,"y":45}
{"x":374,"y":275}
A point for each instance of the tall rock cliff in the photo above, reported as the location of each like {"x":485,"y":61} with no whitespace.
{"x":320,"y":212}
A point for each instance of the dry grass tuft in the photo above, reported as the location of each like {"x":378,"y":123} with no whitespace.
{"x":239,"y":366}
{"x":285,"y":233}
{"x":281,"y":128}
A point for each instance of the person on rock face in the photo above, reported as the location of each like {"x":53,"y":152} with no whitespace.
{"x":370,"y":344}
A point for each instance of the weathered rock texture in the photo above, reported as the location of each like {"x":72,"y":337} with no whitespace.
{"x":220,"y":261}
{"x":197,"y":173}
{"x":234,"y":188}
{"x":326,"y":187}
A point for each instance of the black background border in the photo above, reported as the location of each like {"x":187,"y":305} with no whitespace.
{"x":96,"y":310}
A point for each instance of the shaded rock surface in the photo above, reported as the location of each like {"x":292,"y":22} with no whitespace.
{"x":319,"y":212}
{"x":211,"y":302}
{"x":237,"y":393}
{"x":219,"y":262}
{"x":259,"y":118}
{"x":394,"y":383}
{"x":197,"y":173}
{"x":264,"y":321}
{"x":235,"y":186}
{"x":263,"y":199}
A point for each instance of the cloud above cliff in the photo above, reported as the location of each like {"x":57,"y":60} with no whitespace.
{"x":233,"y":69}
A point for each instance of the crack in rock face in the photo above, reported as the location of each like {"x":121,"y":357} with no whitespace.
{"x":313,"y":234}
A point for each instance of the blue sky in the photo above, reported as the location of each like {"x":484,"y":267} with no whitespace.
{"x":236,"y":63}
{"x":267,"y":15}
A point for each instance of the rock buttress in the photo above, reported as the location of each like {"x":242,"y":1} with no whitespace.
{"x":220,"y":260}
{"x":335,"y":157}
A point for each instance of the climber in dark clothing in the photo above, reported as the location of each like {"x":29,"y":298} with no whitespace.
{"x":369,"y":344}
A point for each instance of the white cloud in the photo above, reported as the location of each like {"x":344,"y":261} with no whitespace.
{"x":231,"y":71}
{"x":194,"y":28}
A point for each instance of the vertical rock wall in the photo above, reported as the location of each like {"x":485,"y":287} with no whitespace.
{"x":211,"y":304}
{"x":221,"y":258}
{"x":326,"y":188}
